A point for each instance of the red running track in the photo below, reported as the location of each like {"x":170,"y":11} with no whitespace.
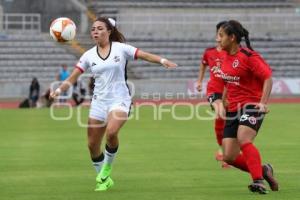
{"x":15,"y":104}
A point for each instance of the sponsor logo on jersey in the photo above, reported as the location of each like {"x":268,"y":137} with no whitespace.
{"x":123,"y":104}
{"x":235,"y":63}
{"x":216,"y":69}
{"x":117,"y":58}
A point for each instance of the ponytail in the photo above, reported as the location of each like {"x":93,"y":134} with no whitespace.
{"x":234,"y":27}
{"x":115,"y":34}
{"x":247,"y":40}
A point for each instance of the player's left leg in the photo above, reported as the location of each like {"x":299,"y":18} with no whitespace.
{"x":246,"y":136}
{"x":116,"y":119}
{"x":219,"y":129}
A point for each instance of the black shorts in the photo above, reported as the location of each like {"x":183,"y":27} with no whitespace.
{"x":248,"y":116}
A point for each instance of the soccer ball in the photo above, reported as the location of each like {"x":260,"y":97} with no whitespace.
{"x":63,"y":29}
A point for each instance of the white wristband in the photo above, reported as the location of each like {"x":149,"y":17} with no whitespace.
{"x":162,"y":61}
{"x":58,"y":91}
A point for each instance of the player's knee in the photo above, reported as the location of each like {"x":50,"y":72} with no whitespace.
{"x":111,"y":133}
{"x":228,"y":158}
{"x":243,"y":141}
{"x":92,"y":146}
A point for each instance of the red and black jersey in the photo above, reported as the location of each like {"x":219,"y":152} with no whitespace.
{"x":244,"y":74}
{"x":213,"y":58}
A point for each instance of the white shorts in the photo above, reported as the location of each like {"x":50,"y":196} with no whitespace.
{"x":99,"y":110}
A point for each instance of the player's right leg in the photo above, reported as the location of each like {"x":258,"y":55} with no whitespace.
{"x":258,"y":186}
{"x":116,"y":119}
{"x":96,"y":130}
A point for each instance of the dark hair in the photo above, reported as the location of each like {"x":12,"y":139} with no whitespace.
{"x":233,"y":27}
{"x":218,"y":26}
{"x":115,"y":34}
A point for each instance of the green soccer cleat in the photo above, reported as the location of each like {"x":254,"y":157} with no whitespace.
{"x":105,"y":185}
{"x":104,"y":173}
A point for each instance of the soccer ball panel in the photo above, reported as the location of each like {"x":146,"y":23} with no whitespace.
{"x":63,"y":29}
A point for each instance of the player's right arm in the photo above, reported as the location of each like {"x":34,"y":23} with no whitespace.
{"x":67,"y":83}
{"x":219,"y":108}
{"x":82,"y":65}
{"x":202,"y":69}
{"x":215,"y":100}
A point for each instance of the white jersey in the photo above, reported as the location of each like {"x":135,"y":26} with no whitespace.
{"x":110,"y":72}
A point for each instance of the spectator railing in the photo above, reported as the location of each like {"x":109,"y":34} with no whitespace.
{"x":21,"y":22}
{"x":195,"y":25}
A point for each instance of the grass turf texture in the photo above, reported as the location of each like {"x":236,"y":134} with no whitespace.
{"x":41,"y":158}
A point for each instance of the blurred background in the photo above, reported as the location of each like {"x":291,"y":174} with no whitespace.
{"x":178,"y":30}
{"x":168,"y":150}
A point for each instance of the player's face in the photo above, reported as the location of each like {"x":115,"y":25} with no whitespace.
{"x":225,"y":41}
{"x":218,"y":39}
{"x":99,"y":32}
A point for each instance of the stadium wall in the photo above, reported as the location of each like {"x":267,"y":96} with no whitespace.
{"x":200,"y":22}
{"x":162,"y":88}
{"x":49,"y":10}
{"x":1,"y":17}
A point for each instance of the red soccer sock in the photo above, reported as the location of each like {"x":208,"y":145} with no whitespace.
{"x":253,"y":160}
{"x":240,"y":162}
{"x":219,"y":128}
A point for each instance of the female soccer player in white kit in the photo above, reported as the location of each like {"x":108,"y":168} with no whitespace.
{"x":111,"y":99}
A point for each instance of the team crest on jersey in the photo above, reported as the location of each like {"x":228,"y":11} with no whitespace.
{"x":123,"y":104}
{"x":218,"y":61}
{"x":117,"y":58}
{"x":235,"y":63}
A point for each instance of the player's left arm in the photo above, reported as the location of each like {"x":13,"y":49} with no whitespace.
{"x":224,"y":97}
{"x":155,"y":59}
{"x":262,"y":70}
{"x":267,"y":88}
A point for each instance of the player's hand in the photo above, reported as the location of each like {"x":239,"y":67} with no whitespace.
{"x":219,"y":109}
{"x":168,"y":64}
{"x":55,"y":93}
{"x":262,"y":108}
{"x":225,"y":102}
{"x":199,"y":86}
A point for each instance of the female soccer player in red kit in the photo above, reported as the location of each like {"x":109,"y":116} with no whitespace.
{"x":248,"y":80}
{"x":212,"y":58}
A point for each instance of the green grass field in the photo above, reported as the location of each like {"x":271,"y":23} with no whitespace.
{"x":43,"y":159}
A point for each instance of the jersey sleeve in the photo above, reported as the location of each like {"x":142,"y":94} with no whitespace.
{"x":204,"y":59}
{"x":129,"y":51}
{"x":259,"y":67}
{"x":83,"y":63}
